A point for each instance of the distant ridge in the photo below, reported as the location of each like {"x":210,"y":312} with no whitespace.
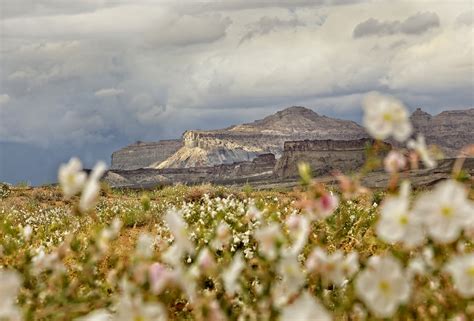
{"x":246,"y":141}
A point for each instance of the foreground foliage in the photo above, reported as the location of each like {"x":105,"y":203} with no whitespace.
{"x":211,"y":253}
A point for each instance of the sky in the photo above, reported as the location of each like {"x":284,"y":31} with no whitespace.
{"x":86,"y":77}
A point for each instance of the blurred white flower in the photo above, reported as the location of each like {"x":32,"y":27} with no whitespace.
{"x":335,"y":268}
{"x":293,"y":277}
{"x":268,"y":238}
{"x":27,"y":231}
{"x":322,"y":207}
{"x":383,"y":286}
{"x":231,"y":275}
{"x":306,"y":308}
{"x":223,"y":236}
{"x":96,"y":315}
{"x":461,"y":268}
{"x":394,"y":162}
{"x":397,"y":223}
{"x":419,"y":146}
{"x":253,"y":213}
{"x":91,"y":190}
{"x":178,"y":227}
{"x":46,"y":262}
{"x":445,"y":211}
{"x":416,"y":266}
{"x":205,"y":261}
{"x":133,"y":308}
{"x":145,"y":246}
{"x":299,"y":228}
{"x":10,"y":282}
{"x":160,"y":276}
{"x":385,"y":116}
{"x":71,"y":178}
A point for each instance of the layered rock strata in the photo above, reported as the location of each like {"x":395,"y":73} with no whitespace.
{"x":450,"y":130}
{"x":324,"y":156}
{"x":260,"y":168}
{"x":245,"y":142}
{"x":144,"y":154}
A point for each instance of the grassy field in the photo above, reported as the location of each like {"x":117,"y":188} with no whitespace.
{"x":72,"y":263}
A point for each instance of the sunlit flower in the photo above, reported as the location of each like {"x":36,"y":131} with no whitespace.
{"x":394,"y":162}
{"x":419,"y":146}
{"x":253,"y":213}
{"x":461,"y":269}
{"x":10,"y":282}
{"x":293,"y":277}
{"x":96,"y":315}
{"x":385,"y":116}
{"x":179,"y":230}
{"x":268,"y":238}
{"x":71,"y":178}
{"x":91,"y":190}
{"x":383,"y":286}
{"x":159,"y":276}
{"x":335,"y":268}
{"x":299,"y":228}
{"x":397,"y":223}
{"x":46,"y":262}
{"x":445,"y":211}
{"x":231,"y":275}
{"x":223,"y":236}
{"x":145,"y":246}
{"x":307,"y":308}
{"x":205,"y":260}
{"x":321,"y":207}
{"x":27,"y":231}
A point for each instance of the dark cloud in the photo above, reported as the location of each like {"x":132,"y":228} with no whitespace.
{"x":465,"y":18}
{"x":267,"y":25}
{"x":413,"y":25}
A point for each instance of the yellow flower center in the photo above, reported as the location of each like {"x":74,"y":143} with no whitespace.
{"x":387,"y":117}
{"x":384,"y":286}
{"x":70,"y":179}
{"x":470,"y":271}
{"x":403,"y":219}
{"x":447,"y":211}
{"x":139,"y":318}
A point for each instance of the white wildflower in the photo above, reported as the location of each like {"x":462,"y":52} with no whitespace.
{"x":145,"y":246}
{"x":397,"y":223}
{"x":10,"y":282}
{"x":177,"y":226}
{"x":91,"y":190}
{"x":445,"y":211}
{"x":96,"y":315}
{"x":231,"y":275}
{"x":27,"y":231}
{"x":394,"y":162}
{"x":385,"y":116}
{"x":299,"y":228}
{"x":268,"y":238}
{"x":383,"y":286}
{"x":71,"y":178}
{"x":419,"y":146}
{"x":335,"y":268}
{"x":307,"y":308}
{"x":461,"y":269}
{"x":159,"y":276}
{"x":293,"y":277}
{"x":205,"y":261}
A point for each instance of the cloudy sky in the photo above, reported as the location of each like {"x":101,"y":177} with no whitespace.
{"x":86,"y":77}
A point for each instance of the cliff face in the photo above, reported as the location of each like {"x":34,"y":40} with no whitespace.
{"x":450,"y":130}
{"x":260,"y":168}
{"x":140,"y":154}
{"x":324,"y":156}
{"x":244,"y":142}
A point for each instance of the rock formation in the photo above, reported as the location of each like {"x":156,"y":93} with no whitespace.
{"x":244,"y":142}
{"x":450,"y":130}
{"x":260,"y":168}
{"x":141,"y":154}
{"x":324,"y":156}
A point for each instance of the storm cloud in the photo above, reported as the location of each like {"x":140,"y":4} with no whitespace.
{"x":82,"y":78}
{"x":413,"y":25}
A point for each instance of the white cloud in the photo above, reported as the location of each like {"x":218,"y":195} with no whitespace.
{"x":108,"y":92}
{"x":4,"y":99}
